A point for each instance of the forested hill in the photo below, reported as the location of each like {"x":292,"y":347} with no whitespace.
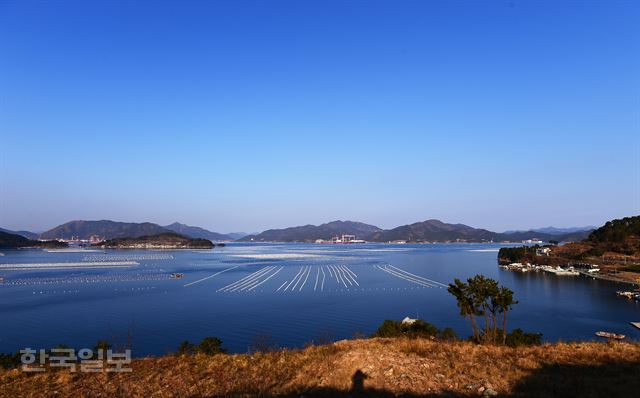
{"x":13,"y":241}
{"x":104,"y":228}
{"x":309,"y":233}
{"x":197,"y":232}
{"x":166,"y":240}
{"x":617,"y":231}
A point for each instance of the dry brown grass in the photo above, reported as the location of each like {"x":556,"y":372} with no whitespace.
{"x":391,"y":366}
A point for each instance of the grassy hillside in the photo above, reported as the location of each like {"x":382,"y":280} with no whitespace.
{"x":373,"y":367}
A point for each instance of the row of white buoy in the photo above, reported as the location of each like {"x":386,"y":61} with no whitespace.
{"x":133,"y":289}
{"x":315,"y":286}
{"x":439,"y":284}
{"x":86,"y":279}
{"x":136,"y":289}
{"x":343,"y":275}
{"x":409,"y":277}
{"x":210,"y":276}
{"x":252,"y":287}
{"x":68,"y":265}
{"x":127,"y":257}
{"x":376,"y":289}
{"x":252,"y":280}
{"x":303,"y":273}
{"x":56,"y":292}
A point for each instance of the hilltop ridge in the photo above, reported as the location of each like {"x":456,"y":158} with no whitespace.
{"x":165,"y":240}
{"x":14,"y":241}
{"x":108,"y":229}
{"x":381,"y":367}
{"x":309,"y":233}
{"x":420,"y":232}
{"x":431,"y":230}
{"x":197,"y":232}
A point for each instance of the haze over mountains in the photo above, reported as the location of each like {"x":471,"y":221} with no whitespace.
{"x":26,"y":234}
{"x":425,"y":231}
{"x":556,"y":231}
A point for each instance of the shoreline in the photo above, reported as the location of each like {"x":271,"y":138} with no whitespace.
{"x":609,"y":278}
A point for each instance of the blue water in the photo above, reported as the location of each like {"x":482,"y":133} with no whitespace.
{"x":77,"y":307}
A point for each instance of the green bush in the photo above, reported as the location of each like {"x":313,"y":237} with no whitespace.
{"x":208,"y":346}
{"x":211,"y":346}
{"x":518,"y":338}
{"x":448,"y":334}
{"x":186,"y":348}
{"x":9,"y":361}
{"x":419,"y":328}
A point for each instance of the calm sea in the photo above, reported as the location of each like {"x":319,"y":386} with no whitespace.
{"x":254,"y":295}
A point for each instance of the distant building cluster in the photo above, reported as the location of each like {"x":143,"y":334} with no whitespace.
{"x":75,"y":240}
{"x":343,"y":239}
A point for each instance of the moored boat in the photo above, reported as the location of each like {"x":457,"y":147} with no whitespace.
{"x":627,"y":294}
{"x":610,"y":335}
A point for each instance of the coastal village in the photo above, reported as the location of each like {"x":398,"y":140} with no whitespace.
{"x":609,"y":253}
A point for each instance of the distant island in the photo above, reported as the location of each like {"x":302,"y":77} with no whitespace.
{"x":107,"y":229}
{"x":166,"y":240}
{"x":429,"y":231}
{"x":14,"y":241}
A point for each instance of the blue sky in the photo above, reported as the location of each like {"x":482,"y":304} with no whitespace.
{"x":254,"y":115}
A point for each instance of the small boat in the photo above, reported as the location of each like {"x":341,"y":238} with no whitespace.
{"x":176,"y":275}
{"x":627,"y":294}
{"x":636,"y":324}
{"x":610,"y":335}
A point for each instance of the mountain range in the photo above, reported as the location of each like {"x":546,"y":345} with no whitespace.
{"x":104,"y":228}
{"x":197,"y":232}
{"x":434,"y":230}
{"x":26,"y":234}
{"x":425,"y":231}
{"x":108,"y":229}
{"x":556,"y":231}
{"x":309,"y":233}
{"x":14,"y":241}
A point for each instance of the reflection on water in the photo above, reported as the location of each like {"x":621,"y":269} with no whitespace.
{"x":290,"y":294}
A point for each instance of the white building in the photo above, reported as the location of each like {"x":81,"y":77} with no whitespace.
{"x":543,"y":251}
{"x":408,"y":321}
